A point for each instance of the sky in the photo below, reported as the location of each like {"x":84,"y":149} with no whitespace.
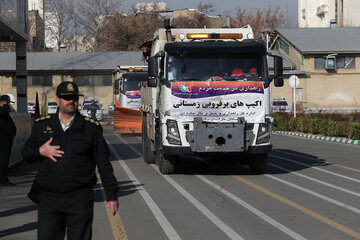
{"x":288,"y":7}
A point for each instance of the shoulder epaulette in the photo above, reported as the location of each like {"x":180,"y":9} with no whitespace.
{"x":92,"y":121}
{"x":42,"y":118}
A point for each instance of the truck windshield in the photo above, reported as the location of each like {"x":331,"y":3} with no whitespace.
{"x":215,"y":67}
{"x":131,"y":85}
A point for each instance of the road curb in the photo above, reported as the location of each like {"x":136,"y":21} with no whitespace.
{"x":324,"y":138}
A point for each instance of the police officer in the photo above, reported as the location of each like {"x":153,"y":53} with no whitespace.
{"x":7,"y":134}
{"x":69,"y":147}
{"x":93,"y":108}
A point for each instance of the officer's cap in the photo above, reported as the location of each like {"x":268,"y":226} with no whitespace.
{"x":6,"y":98}
{"x":68,"y":89}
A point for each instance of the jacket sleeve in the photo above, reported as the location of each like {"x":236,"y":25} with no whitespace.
{"x":104,"y":166}
{"x":30,"y":151}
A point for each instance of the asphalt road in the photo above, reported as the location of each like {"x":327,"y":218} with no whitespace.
{"x":311,"y":191}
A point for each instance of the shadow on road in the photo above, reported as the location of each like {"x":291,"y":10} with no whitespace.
{"x":125,"y":188}
{"x":125,"y":151}
{"x":19,"y":229}
{"x":19,"y":210}
{"x":287,"y":160}
{"x":292,"y":161}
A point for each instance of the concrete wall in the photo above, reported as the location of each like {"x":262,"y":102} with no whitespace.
{"x":23,"y":124}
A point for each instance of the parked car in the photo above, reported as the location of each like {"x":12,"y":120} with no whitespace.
{"x":86,"y":111}
{"x":52,"y":107}
{"x":88,"y":101}
{"x":111,"y":108}
{"x":280,"y":105}
{"x":31,"y":107}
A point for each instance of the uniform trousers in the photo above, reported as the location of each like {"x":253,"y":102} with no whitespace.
{"x":5,"y":151}
{"x":71,"y":213}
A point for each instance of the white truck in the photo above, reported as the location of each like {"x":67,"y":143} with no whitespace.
{"x":127,"y":116}
{"x":208,"y":93}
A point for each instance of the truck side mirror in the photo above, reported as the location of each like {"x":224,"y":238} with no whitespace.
{"x":278,"y":66}
{"x":279,"y":82}
{"x":116,"y":86}
{"x":278,"y":71}
{"x":153,"y":67}
{"x":152,"y":82}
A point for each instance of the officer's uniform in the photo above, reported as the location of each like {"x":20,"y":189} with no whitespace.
{"x":7,"y":134}
{"x":66,"y":197}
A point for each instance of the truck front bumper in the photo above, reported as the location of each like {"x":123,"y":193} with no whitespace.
{"x":170,"y":150}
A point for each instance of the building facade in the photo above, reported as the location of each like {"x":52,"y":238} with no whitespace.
{"x":319,"y":13}
{"x":329,"y":59}
{"x":46,"y":70}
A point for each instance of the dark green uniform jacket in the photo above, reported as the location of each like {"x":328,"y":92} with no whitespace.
{"x":84,"y":148}
{"x":7,"y":125}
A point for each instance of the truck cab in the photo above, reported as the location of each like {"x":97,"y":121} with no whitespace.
{"x":127,"y":115}
{"x":208,"y":93}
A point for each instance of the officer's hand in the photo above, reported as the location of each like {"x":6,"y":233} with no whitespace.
{"x":49,"y":151}
{"x":112,"y":206}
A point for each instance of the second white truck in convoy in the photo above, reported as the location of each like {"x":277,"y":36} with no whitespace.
{"x":127,"y":116}
{"x":208,"y":93}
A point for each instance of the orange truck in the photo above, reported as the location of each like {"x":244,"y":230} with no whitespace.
{"x":127,"y":116}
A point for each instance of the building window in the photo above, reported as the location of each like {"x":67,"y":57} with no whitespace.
{"x":345,"y":62}
{"x":341,"y":62}
{"x":36,"y":81}
{"x":281,"y":44}
{"x":319,"y":63}
{"x":96,"y":80}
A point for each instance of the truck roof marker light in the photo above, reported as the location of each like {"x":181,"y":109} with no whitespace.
{"x":198,"y":36}
{"x":215,"y":36}
{"x":231,"y":36}
{"x":250,"y":36}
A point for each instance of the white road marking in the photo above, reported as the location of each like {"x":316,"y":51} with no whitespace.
{"x":207,"y":213}
{"x":333,"y":201}
{"x":317,"y":168}
{"x":160,"y":217}
{"x":317,"y":180}
{"x":225,"y":228}
{"x":255,"y":211}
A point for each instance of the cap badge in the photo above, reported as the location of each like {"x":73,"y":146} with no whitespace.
{"x":70,"y":87}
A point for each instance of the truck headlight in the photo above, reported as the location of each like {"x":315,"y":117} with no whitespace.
{"x":263,"y":135}
{"x":173,"y":135}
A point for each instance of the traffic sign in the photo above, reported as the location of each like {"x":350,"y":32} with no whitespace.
{"x":294,"y":81}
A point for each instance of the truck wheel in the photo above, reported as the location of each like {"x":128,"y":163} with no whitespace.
{"x":167,"y":164}
{"x":148,"y":155}
{"x":258,"y":163}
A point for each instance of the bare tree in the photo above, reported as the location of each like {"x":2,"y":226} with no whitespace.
{"x":199,"y":18}
{"x":206,"y":8}
{"x":93,"y":15}
{"x":259,"y":20}
{"x":58,"y":21}
{"x":128,"y":32}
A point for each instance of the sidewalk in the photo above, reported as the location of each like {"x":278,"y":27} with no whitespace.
{"x":324,"y":138}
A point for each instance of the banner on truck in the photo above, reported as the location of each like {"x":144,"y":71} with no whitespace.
{"x":223,"y":101}
{"x":133,"y":99}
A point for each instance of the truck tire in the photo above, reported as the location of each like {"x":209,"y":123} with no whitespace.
{"x":167,"y":163}
{"x":258,"y":163}
{"x":148,"y":155}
